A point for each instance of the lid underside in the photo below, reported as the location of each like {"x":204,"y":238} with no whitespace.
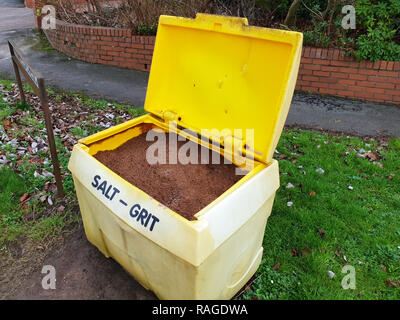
{"x":217,"y":72}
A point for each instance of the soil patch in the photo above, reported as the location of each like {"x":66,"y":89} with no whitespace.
{"x":186,"y":189}
{"x":82,"y":272}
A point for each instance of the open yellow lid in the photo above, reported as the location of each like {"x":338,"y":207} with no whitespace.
{"x":216,"y":72}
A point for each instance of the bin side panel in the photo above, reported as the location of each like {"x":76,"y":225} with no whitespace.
{"x":227,"y":216}
{"x":233,"y":264}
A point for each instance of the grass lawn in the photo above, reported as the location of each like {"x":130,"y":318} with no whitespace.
{"x":345,"y":214}
{"x":328,"y":225}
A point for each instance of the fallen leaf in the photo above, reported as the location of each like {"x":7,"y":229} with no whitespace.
{"x":295,"y":253}
{"x":282,"y":156}
{"x":390,"y":283}
{"x":24,"y":197}
{"x":6,"y":123}
{"x":312,"y":193}
{"x":383,"y":268}
{"x":276,"y":267}
{"x":370,"y":155}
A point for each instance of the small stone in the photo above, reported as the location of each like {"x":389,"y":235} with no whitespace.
{"x":320,"y":170}
{"x":331,"y":274}
{"x":289,"y":204}
{"x":350,"y":188}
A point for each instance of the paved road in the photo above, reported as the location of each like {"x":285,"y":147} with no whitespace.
{"x":129,"y":86}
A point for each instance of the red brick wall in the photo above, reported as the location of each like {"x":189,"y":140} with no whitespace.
{"x":328,"y":71}
{"x":322,"y":71}
{"x":115,"y":47}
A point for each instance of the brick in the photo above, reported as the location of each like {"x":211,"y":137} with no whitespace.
{"x":377,"y":64}
{"x":392,"y":92}
{"x":376,"y":90}
{"x":348,"y":82}
{"x":312,"y":67}
{"x":356,"y":89}
{"x":320,"y":84}
{"x":306,"y":60}
{"x":365,"y":94}
{"x":321,"y":62}
{"x":329,"y":68}
{"x":388,"y":74}
{"x":368,"y":84}
{"x":384,"y":85}
{"x":358,"y":77}
{"x":137,"y":46}
{"x":349,"y":70}
{"x":327,"y":91}
{"x":339,"y":63}
{"x":328,"y":80}
{"x":303,"y":71}
{"x":324,"y":53}
{"x":310,"y":78}
{"x":340,"y":75}
{"x":321,"y":73}
{"x":329,"y":54}
{"x":368,"y":72}
{"x":346,"y":93}
{"x":310,"y":89}
{"x":112,"y":53}
{"x":338,"y":86}
{"x":390,"y":66}
{"x":382,"y":96}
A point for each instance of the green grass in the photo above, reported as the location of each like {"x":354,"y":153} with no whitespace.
{"x":361,"y":224}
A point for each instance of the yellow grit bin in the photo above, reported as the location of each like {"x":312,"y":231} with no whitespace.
{"x":211,"y":72}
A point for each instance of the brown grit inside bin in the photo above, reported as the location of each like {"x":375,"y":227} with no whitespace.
{"x":186,"y":189}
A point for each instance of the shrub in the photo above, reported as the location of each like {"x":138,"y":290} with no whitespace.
{"x":377,"y":36}
{"x":379,"y":23}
